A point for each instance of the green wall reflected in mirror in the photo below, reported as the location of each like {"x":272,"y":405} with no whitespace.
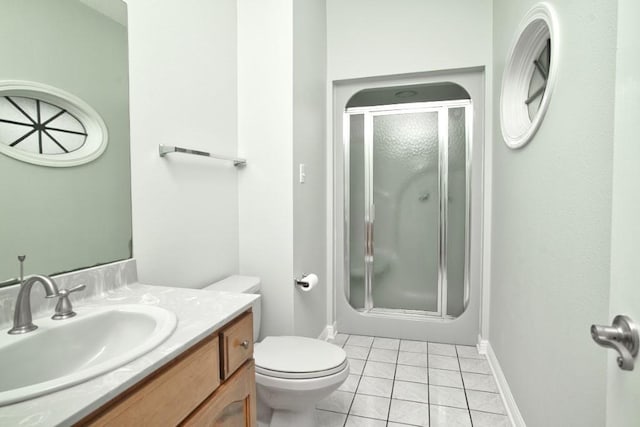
{"x":68,"y":218}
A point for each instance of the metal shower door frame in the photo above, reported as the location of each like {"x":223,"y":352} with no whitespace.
{"x":369,"y":113}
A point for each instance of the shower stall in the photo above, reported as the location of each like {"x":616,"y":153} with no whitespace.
{"x":408,"y":207}
{"x":406,"y":199}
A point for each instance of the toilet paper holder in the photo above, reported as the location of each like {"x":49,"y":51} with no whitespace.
{"x":302,"y":282}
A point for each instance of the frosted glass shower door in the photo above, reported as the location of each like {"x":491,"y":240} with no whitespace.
{"x":405,"y":194}
{"x":407,"y":197}
{"x":457,"y":211}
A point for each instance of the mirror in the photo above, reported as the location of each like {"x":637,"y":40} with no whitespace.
{"x":68,"y":218}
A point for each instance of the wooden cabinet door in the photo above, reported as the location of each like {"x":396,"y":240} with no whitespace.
{"x":232,"y":405}
{"x":168,"y":396}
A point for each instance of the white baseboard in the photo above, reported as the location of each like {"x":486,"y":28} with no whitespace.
{"x":484,"y":347}
{"x":329,"y":332}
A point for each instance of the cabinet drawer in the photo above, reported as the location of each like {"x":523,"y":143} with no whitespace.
{"x":237,"y":344}
{"x":170,"y":396}
{"x":233,"y":404}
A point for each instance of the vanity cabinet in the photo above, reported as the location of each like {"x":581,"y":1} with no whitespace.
{"x":211,"y":384}
{"x":232,"y":405}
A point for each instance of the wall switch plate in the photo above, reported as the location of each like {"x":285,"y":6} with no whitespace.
{"x":302,"y":174}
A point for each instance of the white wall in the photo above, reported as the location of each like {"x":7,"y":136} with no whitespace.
{"x":219,"y":76}
{"x":183,"y":92}
{"x":281,"y":81}
{"x":551,"y":210}
{"x":309,"y":138}
{"x":370,"y":38}
{"x":381,"y":37}
{"x":265,"y":123}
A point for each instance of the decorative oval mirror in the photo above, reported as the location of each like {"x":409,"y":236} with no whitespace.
{"x":46,"y":126}
{"x":529,"y":76}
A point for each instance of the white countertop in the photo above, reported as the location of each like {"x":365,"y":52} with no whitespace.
{"x":199,"y":314}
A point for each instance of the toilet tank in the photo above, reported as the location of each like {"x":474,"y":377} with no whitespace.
{"x":242,"y":285}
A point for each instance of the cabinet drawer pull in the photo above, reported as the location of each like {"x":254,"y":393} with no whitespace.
{"x":245,"y":344}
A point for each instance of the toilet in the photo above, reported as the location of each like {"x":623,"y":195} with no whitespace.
{"x":292,"y":373}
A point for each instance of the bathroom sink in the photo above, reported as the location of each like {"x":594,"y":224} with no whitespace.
{"x":61,"y":353}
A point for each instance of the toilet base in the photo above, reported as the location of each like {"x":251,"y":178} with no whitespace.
{"x":286,"y":402}
{"x":283,"y":418}
{"x":268,"y":417}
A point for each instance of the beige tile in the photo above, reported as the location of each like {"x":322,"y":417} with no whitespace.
{"x":356,"y":352}
{"x":415,"y":392}
{"x":370,"y":406}
{"x":379,"y":369}
{"x":350,"y":384}
{"x":416,"y":374}
{"x":480,"y":382}
{"x":383,"y":355}
{"x":445,"y":377}
{"x":470,"y":352}
{"x":484,"y":419}
{"x":447,"y":396}
{"x":375,"y":386}
{"x":360,"y":340}
{"x":413,"y":346}
{"x":478,"y":366}
{"x":412,"y":413}
{"x":412,"y":359}
{"x":444,"y":416}
{"x":353,"y":421}
{"x":406,"y":383}
{"x":356,"y":366}
{"x":338,"y":401}
{"x":442,"y":349}
{"x":386,"y":343}
{"x":443,"y":362}
{"x":339,"y":339}
{"x":329,"y":419}
{"x":486,"y":402}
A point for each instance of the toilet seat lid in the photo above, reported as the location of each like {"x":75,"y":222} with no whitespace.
{"x":298,"y":357}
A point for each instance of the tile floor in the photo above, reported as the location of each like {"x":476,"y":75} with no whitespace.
{"x":400,"y":383}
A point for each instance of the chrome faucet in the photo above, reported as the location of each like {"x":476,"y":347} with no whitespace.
{"x":64,"y":309}
{"x":22,"y":320}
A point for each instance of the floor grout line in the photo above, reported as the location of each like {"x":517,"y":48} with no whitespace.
{"x":393,"y":380}
{"x":355,"y":392}
{"x":428,"y":389}
{"x":466,"y":398}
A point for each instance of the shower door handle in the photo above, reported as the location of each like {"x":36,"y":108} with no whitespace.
{"x":369,"y":233}
{"x":368,"y":265}
{"x":368,"y":253}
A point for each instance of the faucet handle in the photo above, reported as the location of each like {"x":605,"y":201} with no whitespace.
{"x":64,"y":309}
{"x":76,"y":288}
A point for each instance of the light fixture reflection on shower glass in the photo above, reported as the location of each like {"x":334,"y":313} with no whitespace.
{"x":406,"y":93}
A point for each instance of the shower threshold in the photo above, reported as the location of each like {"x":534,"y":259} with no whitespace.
{"x":400,"y":312}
